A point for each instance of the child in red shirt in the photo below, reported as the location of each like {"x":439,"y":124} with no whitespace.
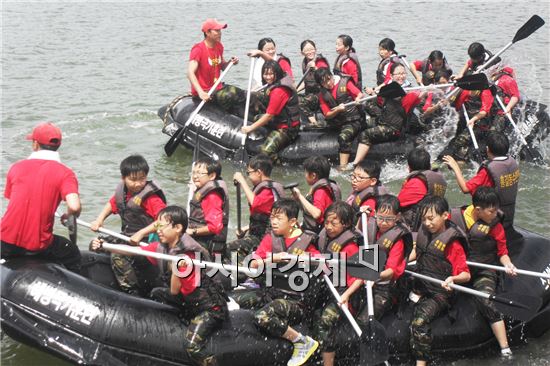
{"x":366,"y":186}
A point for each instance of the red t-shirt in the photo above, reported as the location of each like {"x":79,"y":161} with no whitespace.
{"x":151,"y":205}
{"x":266,"y":246}
{"x":412,"y":192}
{"x":410,"y":101}
{"x":481,"y":179}
{"x":396,"y":258}
{"x":285,"y":65}
{"x":263,"y":202}
{"x":455,"y":254}
{"x":498,"y":233}
{"x":321,"y":63}
{"x":34,"y":187}
{"x":510,"y":88}
{"x":418,"y":65}
{"x":349,"y":251}
{"x":487,"y":100}
{"x":429,"y":101}
{"x":212,"y":206}
{"x":210,"y":64}
{"x":322,"y":198}
{"x":278,"y":97}
{"x":352,"y":90}
{"x":350,"y":67}
{"x":371,"y":202}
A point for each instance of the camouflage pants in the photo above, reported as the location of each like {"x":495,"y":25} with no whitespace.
{"x":373,"y":109}
{"x":309,"y":104}
{"x":135,"y":275}
{"x":243,"y":247}
{"x":378,"y":134}
{"x":382,"y":302}
{"x":250,"y":299}
{"x":486,"y":281}
{"x":324,"y":327}
{"x":231,"y":98}
{"x":346,"y":136}
{"x":278,"y":140}
{"x":275,"y":317}
{"x":425,"y":311}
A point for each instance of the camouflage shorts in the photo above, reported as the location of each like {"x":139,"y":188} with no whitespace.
{"x":309,"y":104}
{"x":348,"y":133}
{"x":382,"y":302}
{"x":135,"y":275}
{"x":486,"y":281}
{"x":277,"y":140}
{"x":324,"y":327}
{"x":275,"y":317}
{"x":231,"y":98}
{"x":200,"y":327}
{"x":378,"y":134}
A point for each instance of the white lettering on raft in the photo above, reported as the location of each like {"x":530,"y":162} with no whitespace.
{"x":212,"y":128}
{"x":55,"y":298}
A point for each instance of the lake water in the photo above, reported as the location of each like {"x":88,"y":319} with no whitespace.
{"x":101,"y":70}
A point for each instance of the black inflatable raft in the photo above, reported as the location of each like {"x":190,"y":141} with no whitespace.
{"x":220,"y":136}
{"x":87,"y":322}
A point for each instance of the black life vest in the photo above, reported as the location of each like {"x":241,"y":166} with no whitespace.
{"x":436,"y":185}
{"x":309,"y":222}
{"x":291,"y":110}
{"x":486,"y":57}
{"x":356,"y":199}
{"x":505,"y":174}
{"x":380,"y":75}
{"x":393,"y":115}
{"x":430,"y":254}
{"x":213,"y":243}
{"x":342,"y":96}
{"x":259,"y":222}
{"x":186,"y":245}
{"x":340,"y":62}
{"x":483,"y":247}
{"x":132,"y":215}
{"x":426,"y":68}
{"x":311,"y":86}
{"x":387,"y":240}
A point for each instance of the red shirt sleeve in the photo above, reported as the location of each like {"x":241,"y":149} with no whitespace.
{"x":418,"y":65}
{"x":321,"y":63}
{"x":263,"y":202}
{"x":152,"y":205}
{"x":212,"y":205}
{"x":412,"y":192}
{"x":429,"y":101}
{"x":277,"y":100}
{"x":152,"y":247}
{"x":481,"y":179}
{"x":487,"y":100}
{"x":349,"y":251}
{"x":350,"y":67}
{"x":396,"y":259}
{"x":509,"y":86}
{"x":353,"y":91}
{"x":462,"y":97}
{"x":456,"y":256}
{"x":497,"y":233}
{"x":410,"y":101}
{"x":286,"y":67}
{"x":266,"y":246}
{"x":371,"y":202}
{"x":324,"y":105}
{"x":322,"y":199}
{"x":114,"y":209}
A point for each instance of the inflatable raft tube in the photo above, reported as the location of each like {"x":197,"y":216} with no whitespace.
{"x":85,"y":321}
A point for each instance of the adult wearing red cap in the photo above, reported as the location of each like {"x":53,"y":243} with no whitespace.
{"x":205,"y":65}
{"x":35,"y":187}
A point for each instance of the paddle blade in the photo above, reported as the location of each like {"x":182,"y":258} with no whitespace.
{"x":241,"y":155}
{"x":392,"y":90}
{"x":473,"y":82}
{"x":528,"y":28}
{"x":374,"y":344}
{"x":71,"y":225}
{"x":363,"y":265}
{"x":517,"y":305}
{"x":174,"y":141}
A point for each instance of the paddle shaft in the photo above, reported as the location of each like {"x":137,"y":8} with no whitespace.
{"x":239,"y":223}
{"x":248,"y":90}
{"x":472,"y":135}
{"x":362,"y":100}
{"x":343,"y":307}
{"x":404,"y":59}
{"x":138,"y":251}
{"x":503,"y":269}
{"x":304,"y":77}
{"x":508,"y":115}
{"x":370,"y":298}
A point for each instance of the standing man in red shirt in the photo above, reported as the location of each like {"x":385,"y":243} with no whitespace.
{"x":35,"y":187}
{"x":205,"y":65}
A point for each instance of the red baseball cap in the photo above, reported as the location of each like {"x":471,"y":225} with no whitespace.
{"x":46,"y":133}
{"x":211,"y":23}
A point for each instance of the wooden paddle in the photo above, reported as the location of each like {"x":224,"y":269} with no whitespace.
{"x":174,"y":141}
{"x":535,"y":155}
{"x":477,"y":153}
{"x":392,"y":90}
{"x":241,"y":154}
{"x":376,"y":350}
{"x":503,"y":269}
{"x":517,"y":305}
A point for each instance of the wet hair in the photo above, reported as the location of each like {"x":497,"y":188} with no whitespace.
{"x":387,"y":202}
{"x":443,"y":73}
{"x":498,"y":143}
{"x":321,"y":75}
{"x":275,"y":67}
{"x":476,"y":51}
{"x":372,"y":168}
{"x":212,"y":166}
{"x":395,"y":65}
{"x":438,"y":204}
{"x":436,"y":55}
{"x":429,"y":77}
{"x":343,"y":211}
{"x":347,"y":41}
{"x":287,"y":206}
{"x":387,"y":44}
{"x":261,"y":162}
{"x":133,"y":164}
{"x":265,"y":41}
{"x":305,"y":43}
{"x":318,"y":165}
{"x":486,"y":197}
{"x":175,"y":215}
{"x":419,"y":159}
